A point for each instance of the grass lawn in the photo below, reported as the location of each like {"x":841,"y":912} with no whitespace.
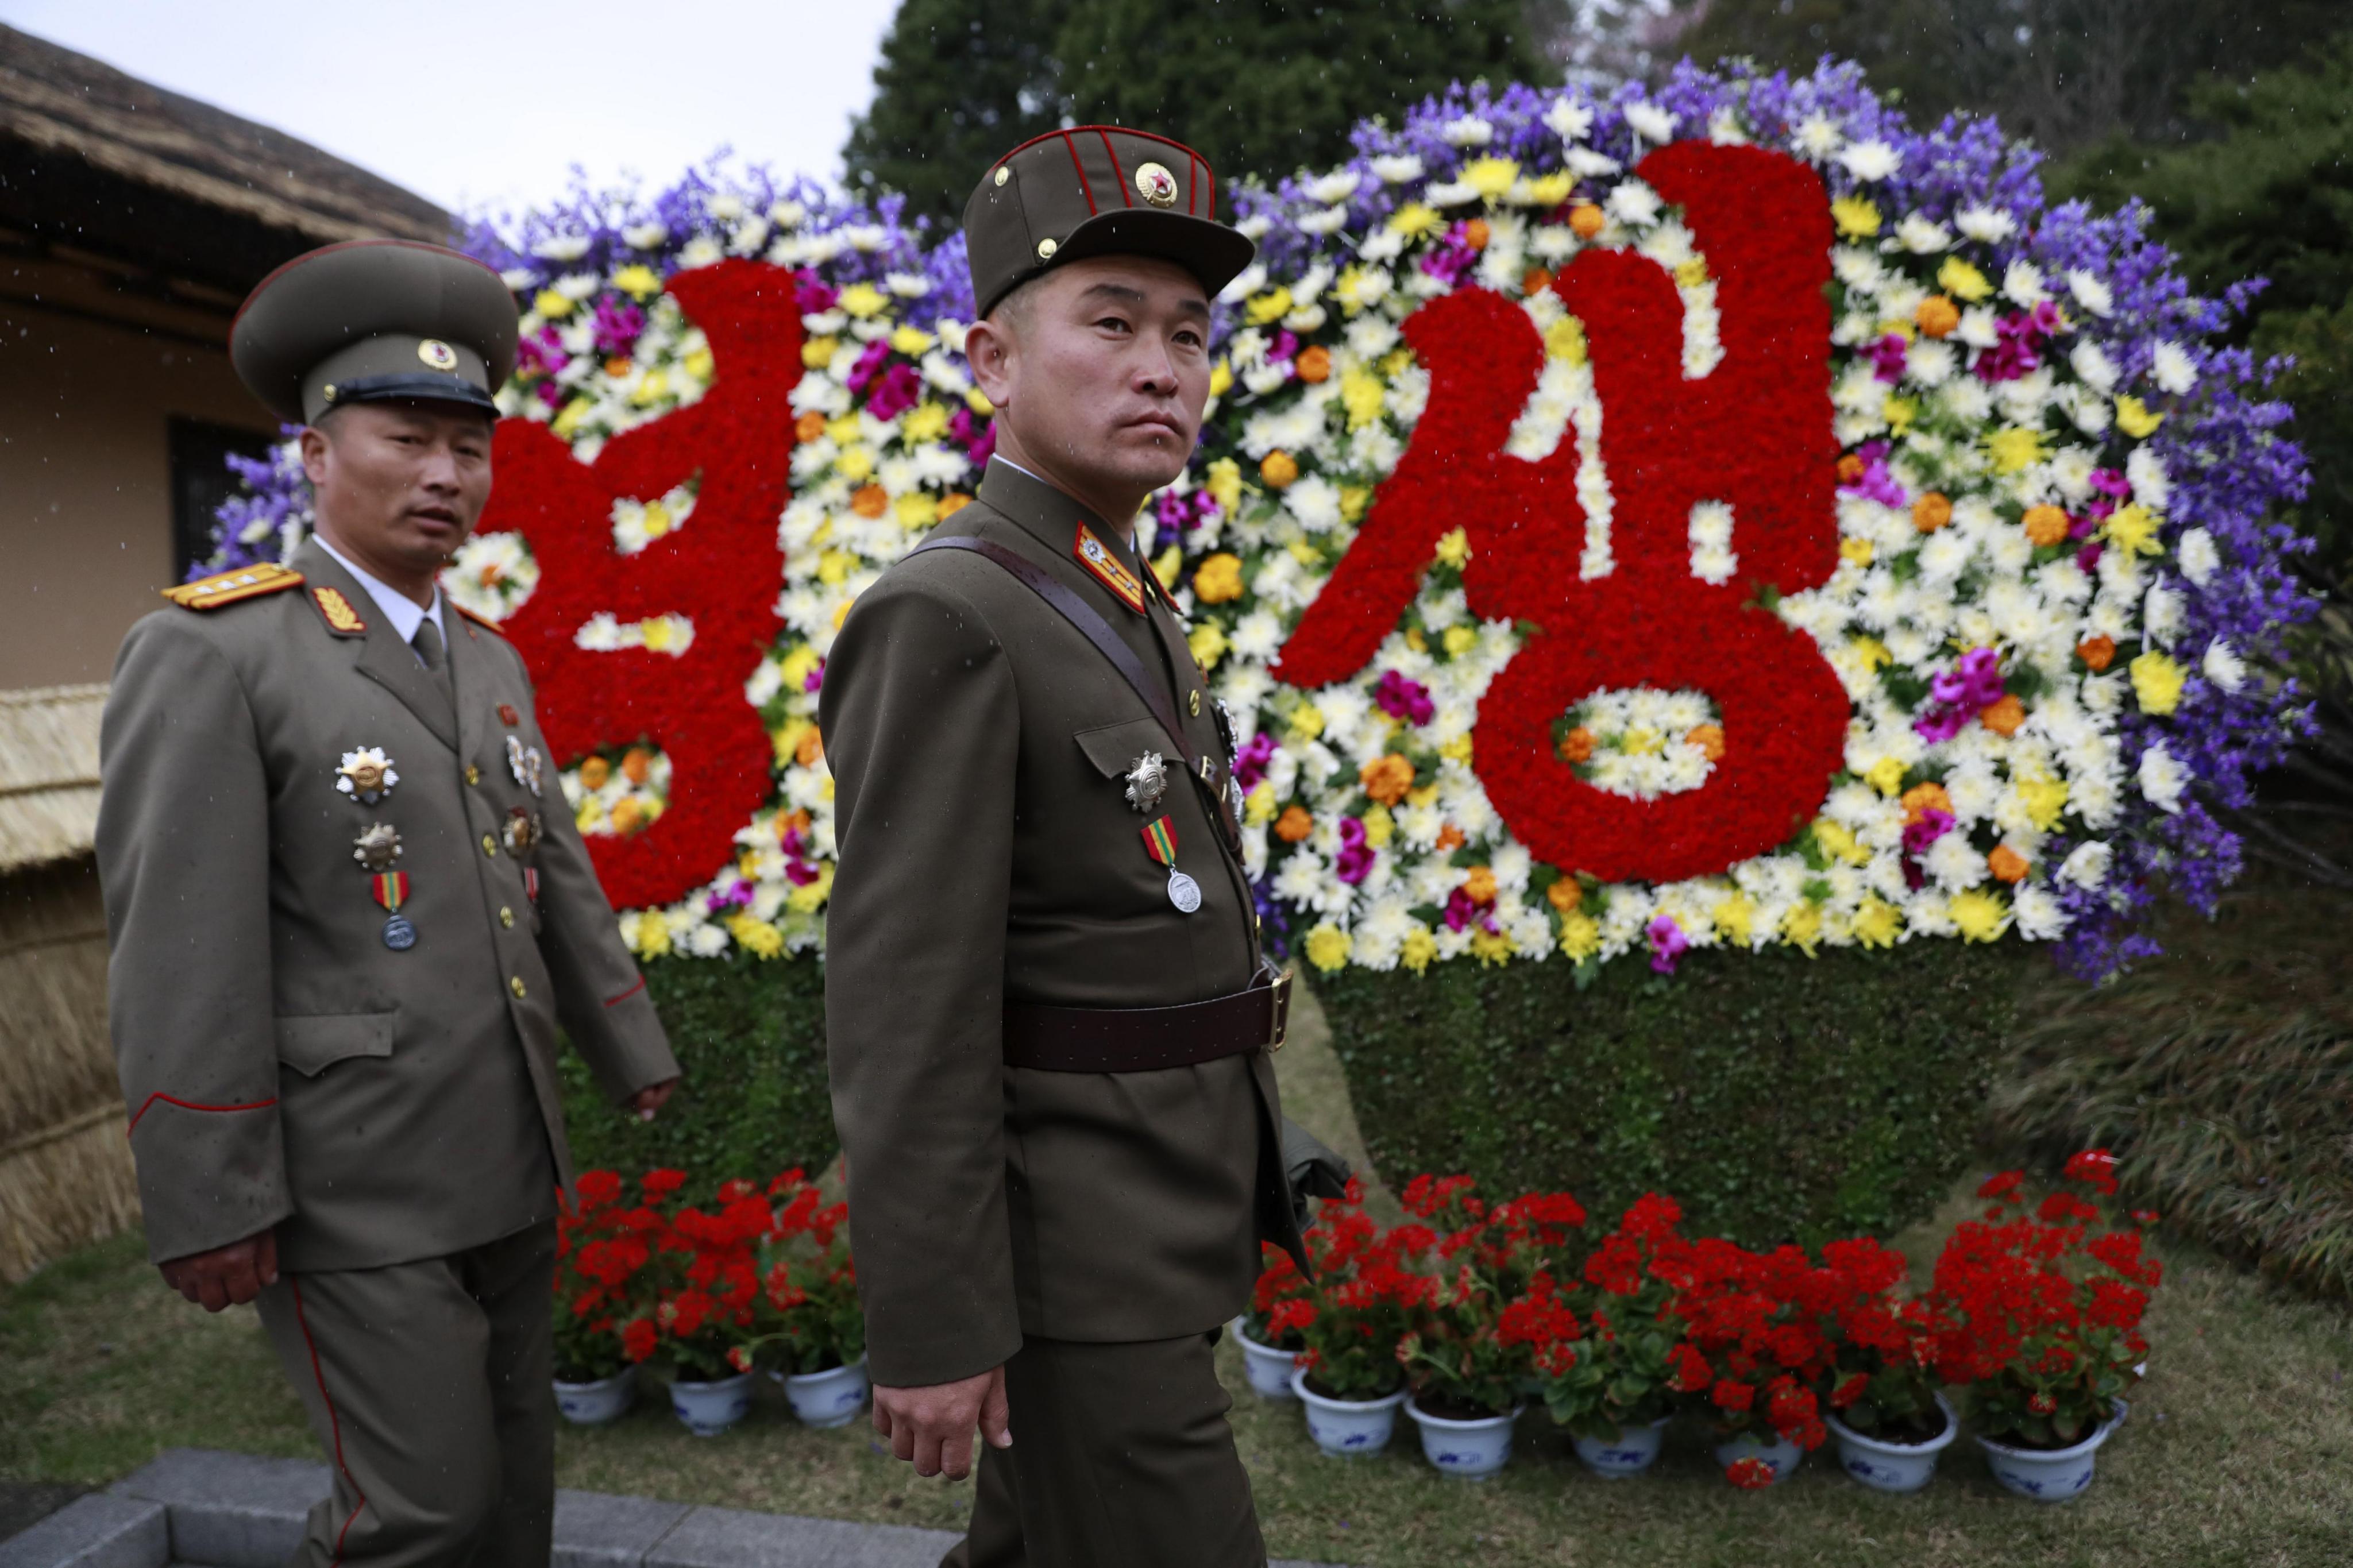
{"x":2239,"y":1451}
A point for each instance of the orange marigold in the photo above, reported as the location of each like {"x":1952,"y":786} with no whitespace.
{"x":1448,"y":838}
{"x":2007,"y":864}
{"x":1279,"y":469}
{"x":1534,"y":280}
{"x":1479,"y":885}
{"x":2097,"y":652}
{"x":628,"y":817}
{"x":810,"y":750}
{"x":1387,"y":779}
{"x":594,"y":772}
{"x":1295,"y":824}
{"x":635,"y":762}
{"x":1850,"y":469}
{"x":1576,"y":746}
{"x":2003,"y":715}
{"x":952,"y":503}
{"x":809,"y":426}
{"x":1565,"y":895}
{"x":1937,"y":315}
{"x":872,"y":500}
{"x":1314,"y":364}
{"x":1921,"y":798}
{"x":1476,"y":233}
{"x":2045,"y":524}
{"x":1584,"y":220}
{"x":1708,"y":738}
{"x":1931,"y":512}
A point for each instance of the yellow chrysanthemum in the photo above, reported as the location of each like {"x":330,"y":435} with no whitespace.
{"x":1165,"y":566}
{"x":1856,"y":217}
{"x":1963,"y":281}
{"x":1219,"y":579}
{"x":1380,"y":826}
{"x":638,"y":281}
{"x":917,"y":509}
{"x":862,"y":300}
{"x":1259,"y":805}
{"x":924,"y":422}
{"x":1872,"y":652}
{"x":1306,"y":722}
{"x":1458,"y":641}
{"x":1980,"y":916}
{"x":808,"y":899}
{"x":1225,"y":485}
{"x":1580,"y":935}
{"x":1876,"y":923}
{"x":2156,"y":682}
{"x":1417,"y":218}
{"x":1208,"y":642}
{"x":1454,"y":549}
{"x":818,"y":352}
{"x":2013,"y":447}
{"x":1837,"y":839}
{"x":912,"y":341}
{"x":1858,"y":551}
{"x":1550,"y":189}
{"x":757,"y":936}
{"x":2045,"y":798}
{"x":1328,"y":947}
{"x":567,"y":423}
{"x":1361,"y":394}
{"x":1565,"y":339}
{"x":978,"y":401}
{"x":699,"y":364}
{"x":551,"y":304}
{"x":1801,"y":928}
{"x":1457,"y":750}
{"x":650,"y":935}
{"x":1493,"y":946}
{"x":1222,"y":378}
{"x":1418,"y":948}
{"x":2135,"y":420}
{"x":1735,"y":917}
{"x":1268,"y":307}
{"x":2133,"y":529}
{"x":1491,"y":177}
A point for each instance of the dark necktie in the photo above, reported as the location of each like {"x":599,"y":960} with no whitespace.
{"x":428,"y":644}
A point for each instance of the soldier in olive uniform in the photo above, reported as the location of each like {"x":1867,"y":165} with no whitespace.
{"x":349,"y":910}
{"x":1049,"y":1018}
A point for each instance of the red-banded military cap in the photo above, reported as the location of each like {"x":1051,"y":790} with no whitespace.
{"x":374,"y":319}
{"x":1096,"y":190}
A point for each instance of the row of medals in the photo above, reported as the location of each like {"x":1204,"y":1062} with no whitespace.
{"x":1147,"y":782}
{"x":367,"y":775}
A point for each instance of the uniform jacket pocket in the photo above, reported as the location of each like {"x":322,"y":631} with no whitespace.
{"x":1114,"y":748}
{"x":311,"y":1045}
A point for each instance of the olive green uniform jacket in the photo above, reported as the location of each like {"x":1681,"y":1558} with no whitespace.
{"x":988,"y":854}
{"x":283,"y":1066}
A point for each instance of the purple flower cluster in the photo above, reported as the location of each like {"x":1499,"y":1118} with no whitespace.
{"x":1959,"y":694}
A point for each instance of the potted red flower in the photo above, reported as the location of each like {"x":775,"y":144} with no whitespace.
{"x":1753,"y":1352}
{"x":704,"y":1319}
{"x":811,"y":1329}
{"x":1884,"y":1409}
{"x":1348,"y":1377}
{"x":1608,"y":1374}
{"x":601,"y":1284}
{"x":2040,"y":1317}
{"x":1269,"y":1332}
{"x":1465,"y":1371}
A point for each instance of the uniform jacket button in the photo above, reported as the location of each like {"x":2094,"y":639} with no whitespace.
{"x":506,"y":916}
{"x":474,"y":775}
{"x":490,"y":845}
{"x":515,"y":984}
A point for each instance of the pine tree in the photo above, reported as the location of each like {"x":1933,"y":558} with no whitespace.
{"x":1260,"y":85}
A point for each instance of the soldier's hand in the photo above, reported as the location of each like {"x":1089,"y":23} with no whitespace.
{"x":652,"y":1098}
{"x":228,"y":1276}
{"x":933,"y":1426}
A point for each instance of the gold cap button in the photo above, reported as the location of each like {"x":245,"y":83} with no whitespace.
{"x":1193,"y":701}
{"x":490,"y":845}
{"x":1046,"y":249}
{"x":1003,"y":173}
{"x":515,"y":984}
{"x":506,"y":916}
{"x":473,"y":775}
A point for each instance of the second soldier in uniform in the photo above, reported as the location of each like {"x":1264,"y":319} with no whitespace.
{"x":1050,"y":1019}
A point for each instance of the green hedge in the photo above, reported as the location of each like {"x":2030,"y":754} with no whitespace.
{"x":750,"y":1037}
{"x":1777,"y":1097}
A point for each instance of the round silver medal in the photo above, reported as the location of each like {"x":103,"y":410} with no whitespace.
{"x":1183,"y":891}
{"x":399,"y":934}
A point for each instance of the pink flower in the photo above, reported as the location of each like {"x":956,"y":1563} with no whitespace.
{"x":1668,"y":943}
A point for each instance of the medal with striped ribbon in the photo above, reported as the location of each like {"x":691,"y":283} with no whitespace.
{"x":1160,"y":842}
{"x":391,"y":890}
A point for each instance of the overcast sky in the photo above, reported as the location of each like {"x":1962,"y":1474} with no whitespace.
{"x":493,"y":101}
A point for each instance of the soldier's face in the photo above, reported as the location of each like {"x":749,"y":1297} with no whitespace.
{"x":400,"y":483}
{"x":1104,"y":369}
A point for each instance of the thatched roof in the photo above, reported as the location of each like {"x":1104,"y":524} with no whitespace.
{"x":48,"y":773}
{"x":106,"y":163}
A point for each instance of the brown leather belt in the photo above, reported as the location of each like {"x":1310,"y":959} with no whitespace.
{"x":1145,"y":1040}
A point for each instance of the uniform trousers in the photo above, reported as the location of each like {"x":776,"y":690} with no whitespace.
{"x":428,"y":1385}
{"x":1121,"y":1456}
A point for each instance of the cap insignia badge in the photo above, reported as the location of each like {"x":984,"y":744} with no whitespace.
{"x":342,"y":618}
{"x":1157,"y":185}
{"x":366,"y":775}
{"x":1097,"y":557}
{"x":524,"y":761}
{"x":437,"y":354}
{"x":1147,"y":781}
{"x":522,"y":830}
{"x":377,"y":847}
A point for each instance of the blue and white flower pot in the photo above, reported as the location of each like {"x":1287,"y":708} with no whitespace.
{"x":1468,"y":1450}
{"x":829,"y":1398}
{"x":710,"y":1408}
{"x":1780,"y":1455}
{"x":1347,"y":1429}
{"x":595,"y":1404}
{"x":2049,"y":1475}
{"x":1632,"y":1451}
{"x":1269,"y":1369}
{"x":1892,"y":1466}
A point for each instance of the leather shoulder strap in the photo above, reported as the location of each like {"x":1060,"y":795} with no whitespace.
{"x":1090,"y":626}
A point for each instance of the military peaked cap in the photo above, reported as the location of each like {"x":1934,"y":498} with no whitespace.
{"x":1096,"y":190}
{"x":374,"y":319}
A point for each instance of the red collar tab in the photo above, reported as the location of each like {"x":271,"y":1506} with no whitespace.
{"x":1098,"y":558}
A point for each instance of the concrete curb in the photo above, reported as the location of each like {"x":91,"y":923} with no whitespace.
{"x":199,"y":1506}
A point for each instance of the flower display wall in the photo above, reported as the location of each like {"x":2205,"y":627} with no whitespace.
{"x":1717,"y":517}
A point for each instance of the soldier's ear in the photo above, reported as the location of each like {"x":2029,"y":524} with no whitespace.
{"x":992,"y":347}
{"x":315,"y":440}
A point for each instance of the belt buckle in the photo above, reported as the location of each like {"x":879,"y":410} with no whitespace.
{"x":1279,"y":1012}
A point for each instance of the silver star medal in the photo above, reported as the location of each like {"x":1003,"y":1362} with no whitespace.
{"x":524,"y":762}
{"x":1147,"y":781}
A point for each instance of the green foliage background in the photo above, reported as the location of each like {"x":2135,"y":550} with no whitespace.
{"x":1777,"y":1097}
{"x":750,"y":1038}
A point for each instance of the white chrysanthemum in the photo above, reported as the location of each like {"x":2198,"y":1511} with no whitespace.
{"x":2151,"y":485}
{"x":2161,"y":613}
{"x":1871,"y":161}
{"x":2039,"y":916}
{"x":1651,"y":122}
{"x":2090,"y":361}
{"x":2223,"y":665}
{"x":1923,"y":236}
{"x":1397,"y":168}
{"x":2091,"y":291}
{"x":2162,"y":778}
{"x":2021,"y":284}
{"x":1568,"y":120}
{"x":2199,"y":559}
{"x":1633,"y":204}
{"x":1469,"y":131}
{"x":1337,"y":186}
{"x":1986,"y":224}
{"x":2172,"y":367}
{"x":2087,"y":864}
{"x":1817,"y":137}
